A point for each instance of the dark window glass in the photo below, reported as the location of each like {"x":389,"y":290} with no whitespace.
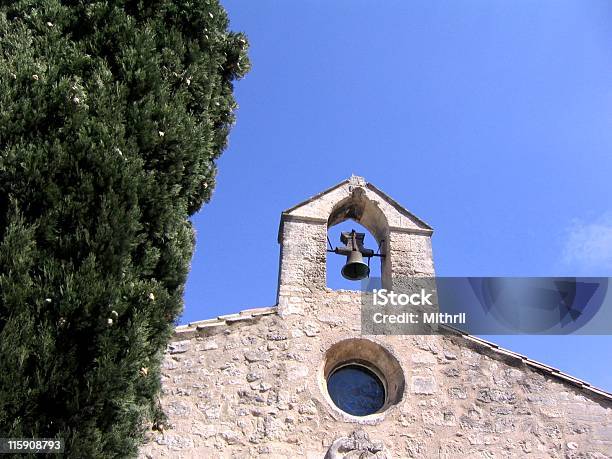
{"x":356,"y":390}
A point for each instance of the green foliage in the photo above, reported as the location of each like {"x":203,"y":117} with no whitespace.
{"x":112,"y":114}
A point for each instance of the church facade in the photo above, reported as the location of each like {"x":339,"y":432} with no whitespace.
{"x":281,"y":381}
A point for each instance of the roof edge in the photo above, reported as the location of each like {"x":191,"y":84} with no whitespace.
{"x":399,"y":207}
{"x":534,"y":364}
{"x":316,"y":196}
{"x":209,"y":327}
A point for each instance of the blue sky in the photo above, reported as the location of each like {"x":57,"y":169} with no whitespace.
{"x":490,"y":120}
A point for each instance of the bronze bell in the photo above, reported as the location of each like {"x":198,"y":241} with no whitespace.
{"x":355,"y":268}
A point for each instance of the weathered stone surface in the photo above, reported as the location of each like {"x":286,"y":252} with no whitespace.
{"x":179,"y":347}
{"x":457,"y":393}
{"x":210,"y":346}
{"x":253,"y":356}
{"x":311,"y":329}
{"x":443,"y":413}
{"x":296,"y":371}
{"x":423,"y":385}
{"x":231,"y":437}
{"x":423,"y":359}
{"x":253,"y":376}
{"x":277,"y":336}
{"x":308,"y":408}
{"x":489,"y":394}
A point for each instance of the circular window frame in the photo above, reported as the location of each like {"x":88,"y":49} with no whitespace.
{"x":375,"y":358}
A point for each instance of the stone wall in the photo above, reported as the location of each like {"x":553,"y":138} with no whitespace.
{"x":252,"y":385}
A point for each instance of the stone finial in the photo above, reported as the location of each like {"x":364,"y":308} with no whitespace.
{"x":356,"y":181}
{"x":356,"y":445}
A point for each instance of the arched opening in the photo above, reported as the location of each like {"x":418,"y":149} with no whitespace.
{"x":359,"y":213}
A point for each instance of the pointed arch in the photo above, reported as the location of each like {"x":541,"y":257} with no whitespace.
{"x":364,"y":211}
{"x":358,"y":207}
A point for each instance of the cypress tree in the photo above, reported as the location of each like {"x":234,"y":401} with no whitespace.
{"x":112,"y":114}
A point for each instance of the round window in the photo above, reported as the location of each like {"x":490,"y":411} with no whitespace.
{"x":356,"y":390}
{"x":361,"y":379}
